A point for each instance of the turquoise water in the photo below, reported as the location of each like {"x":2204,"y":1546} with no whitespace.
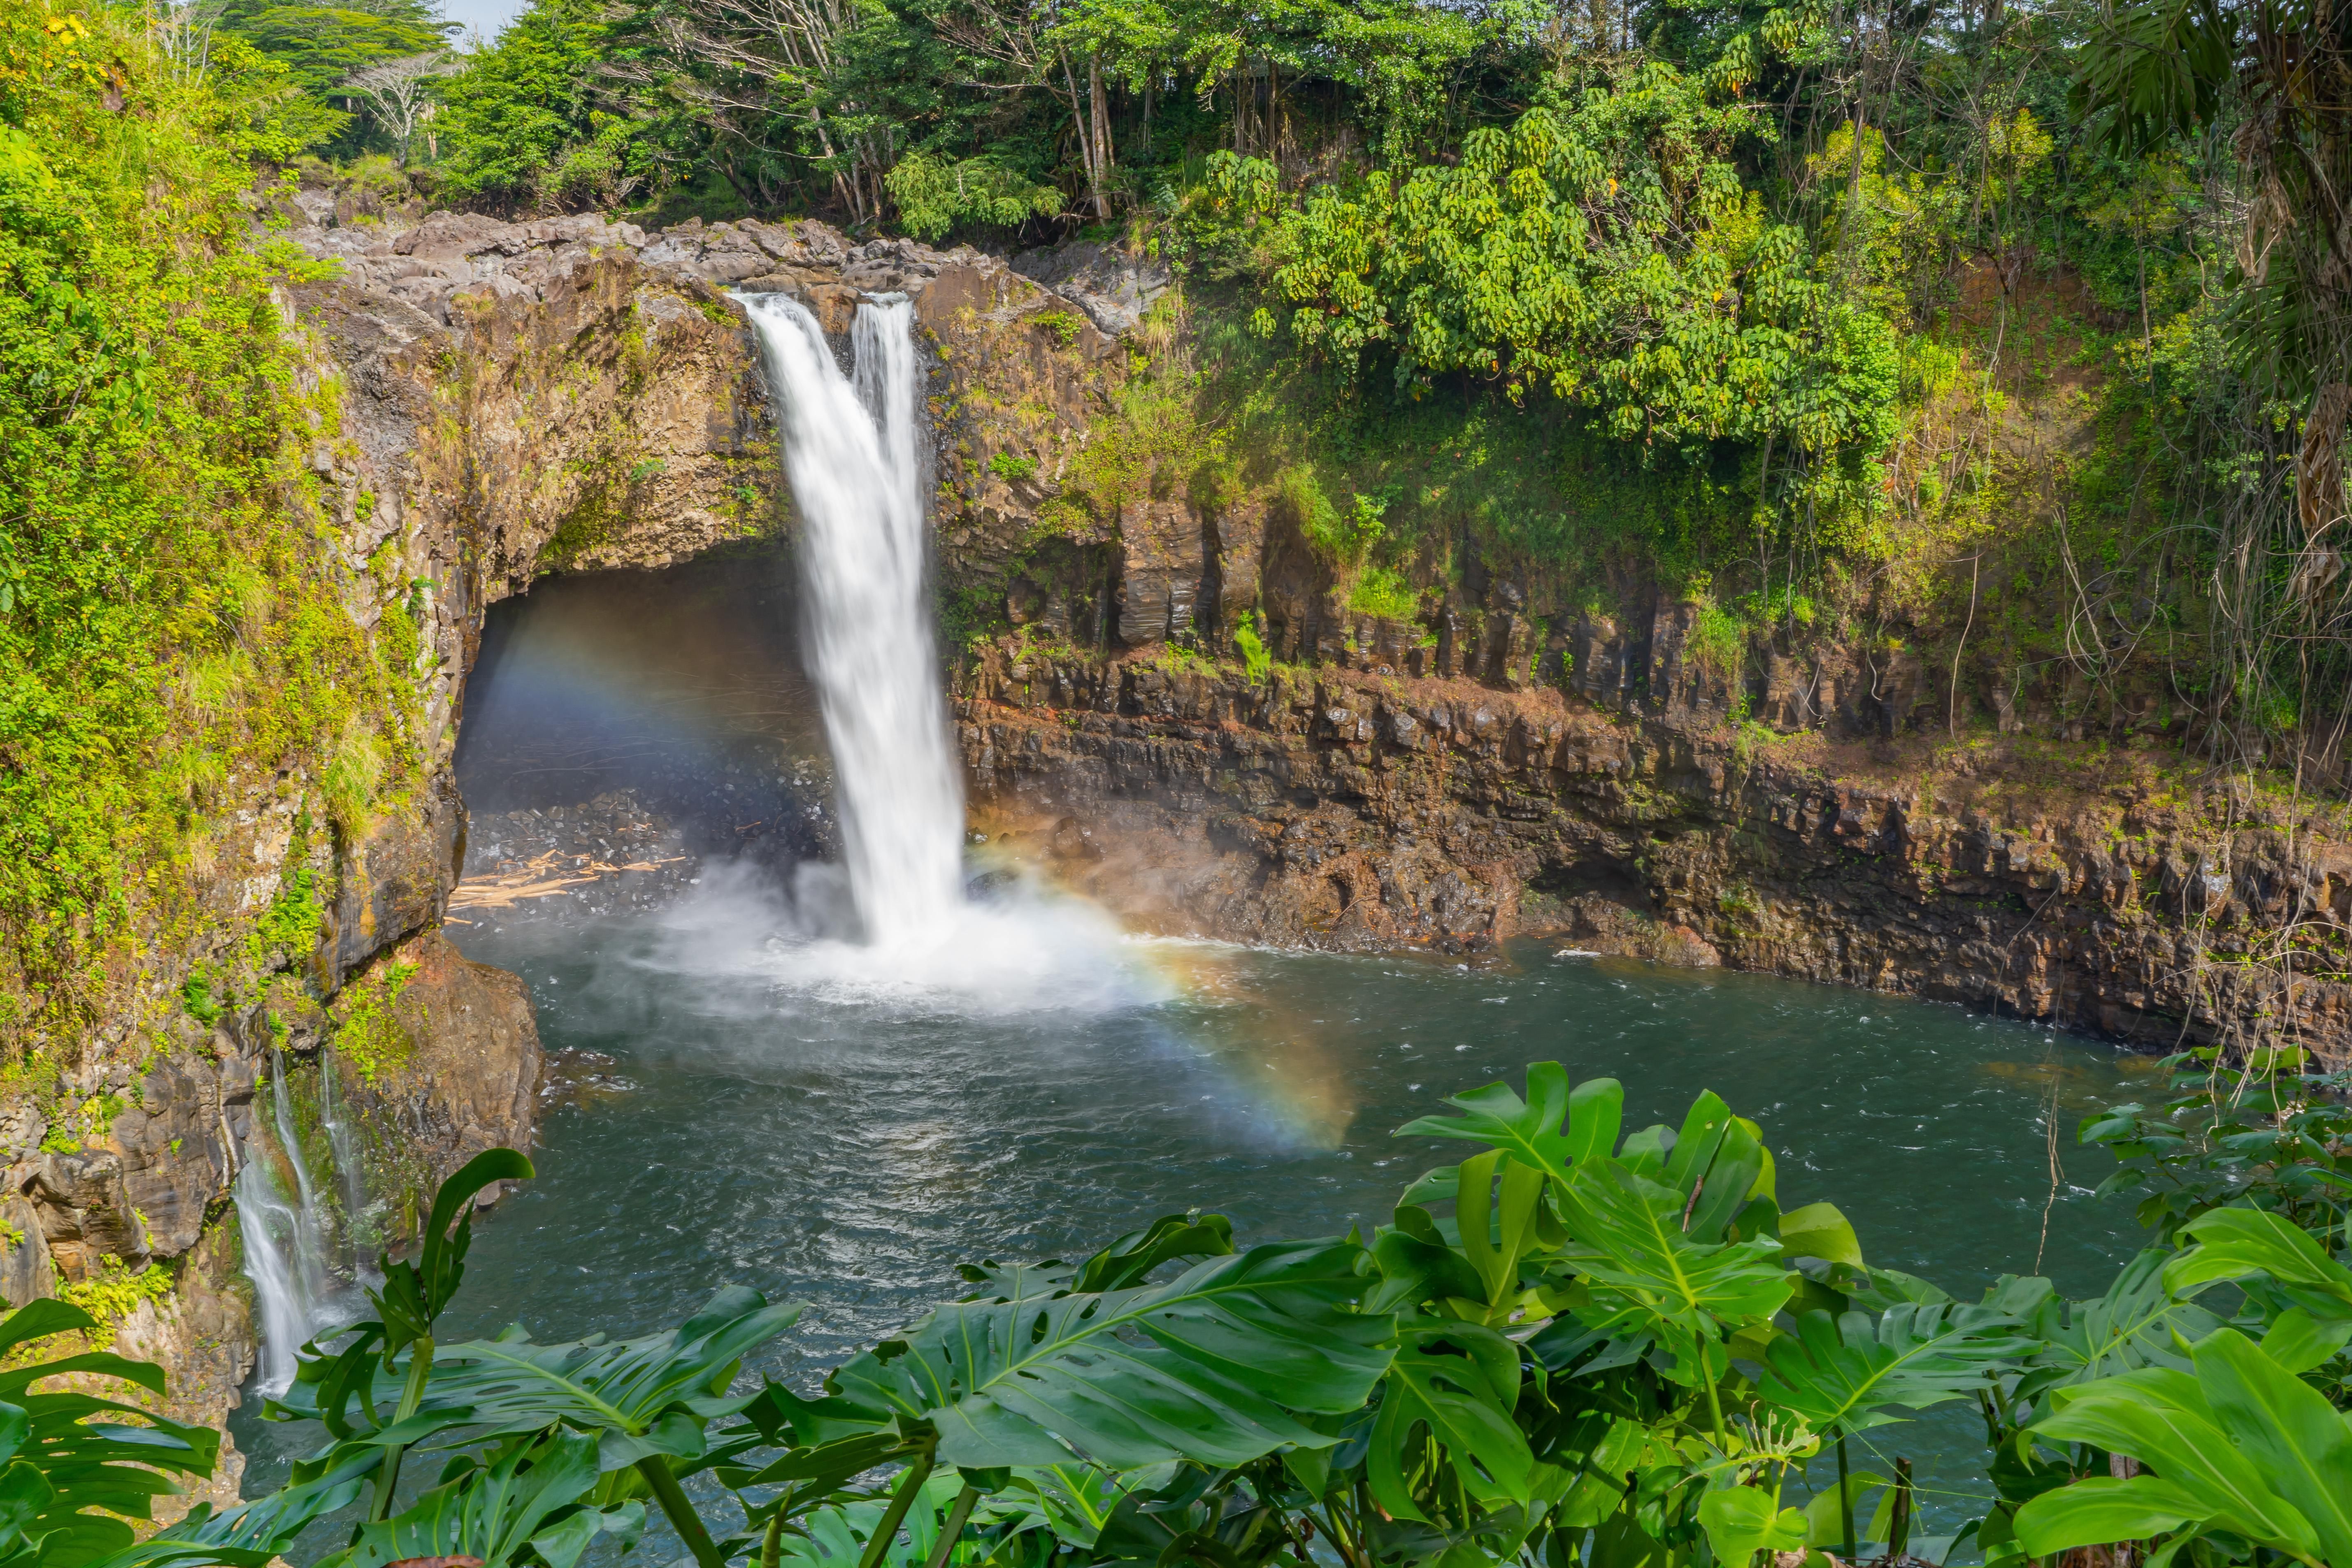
{"x":845,"y":1139}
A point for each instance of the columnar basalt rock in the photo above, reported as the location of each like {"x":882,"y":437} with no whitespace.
{"x":1351,"y":810}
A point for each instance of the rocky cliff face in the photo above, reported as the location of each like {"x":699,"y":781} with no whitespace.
{"x":1363,"y":809}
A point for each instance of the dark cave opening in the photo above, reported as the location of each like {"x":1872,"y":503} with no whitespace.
{"x":619,"y":729}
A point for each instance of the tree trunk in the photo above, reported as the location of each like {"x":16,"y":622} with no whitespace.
{"x":1081,"y":107}
{"x":844,"y":189}
{"x":1273,"y":112}
{"x":1098,"y":148}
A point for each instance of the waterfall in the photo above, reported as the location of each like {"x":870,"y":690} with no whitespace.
{"x":267,"y":1225}
{"x":852,"y":456}
{"x":309,"y":1245}
{"x":285,"y":1253}
{"x":342,"y":1145}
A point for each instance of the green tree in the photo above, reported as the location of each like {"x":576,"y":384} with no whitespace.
{"x":1606,"y":252}
{"x":322,"y":46}
{"x":530,"y":122}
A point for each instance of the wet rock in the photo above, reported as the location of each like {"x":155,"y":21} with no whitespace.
{"x":581,"y":1078}
{"x":84,"y":1211}
{"x":394,"y":883}
{"x":174,"y":1157}
{"x":26,"y":1271}
{"x":467,"y":1078}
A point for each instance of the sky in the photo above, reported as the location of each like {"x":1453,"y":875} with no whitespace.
{"x":487,"y":16}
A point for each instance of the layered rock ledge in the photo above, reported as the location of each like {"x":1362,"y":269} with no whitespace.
{"x":1360,"y":810}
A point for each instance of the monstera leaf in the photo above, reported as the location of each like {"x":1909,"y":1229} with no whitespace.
{"x":1719,"y":1163}
{"x":62,"y":1458}
{"x":1460,"y":1383}
{"x":1851,"y":1374}
{"x":1215,"y":1365}
{"x":1555,"y":1127}
{"x":1077,"y":1501}
{"x":1646,"y":1275}
{"x":2137,"y":1324}
{"x":638,"y":1397}
{"x":1193,"y":1517}
{"x":1126,"y":1262}
{"x":1740,"y":1521}
{"x":254,"y":1534}
{"x":414,"y":1294}
{"x":1131,"y":1260}
{"x":2236,"y":1444}
{"x":525,"y":1496}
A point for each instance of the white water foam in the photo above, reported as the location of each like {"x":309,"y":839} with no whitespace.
{"x":1026,"y":950}
{"x":855,"y":466}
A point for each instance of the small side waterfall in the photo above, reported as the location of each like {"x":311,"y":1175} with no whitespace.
{"x":309,"y":1256}
{"x":361,"y":1236}
{"x":269,"y":1223}
{"x":851,"y":453}
{"x":285,"y":1246}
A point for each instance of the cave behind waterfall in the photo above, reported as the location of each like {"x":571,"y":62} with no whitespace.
{"x":621,"y":728}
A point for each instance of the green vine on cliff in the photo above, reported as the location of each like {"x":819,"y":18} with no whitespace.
{"x":115,"y":1292}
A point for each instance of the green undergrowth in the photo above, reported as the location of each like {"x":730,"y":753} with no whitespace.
{"x":173,"y":626}
{"x":116,"y":1291}
{"x":75,"y":1128}
{"x":369,"y":1033}
{"x":1428,"y":490}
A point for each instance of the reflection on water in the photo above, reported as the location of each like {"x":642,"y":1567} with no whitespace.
{"x":839,"y":1137}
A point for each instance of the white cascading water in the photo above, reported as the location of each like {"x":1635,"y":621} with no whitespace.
{"x":851,"y":454}
{"x":267,"y":1224}
{"x":854,"y":455}
{"x":285,"y":1250}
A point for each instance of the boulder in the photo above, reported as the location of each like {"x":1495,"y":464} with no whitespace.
{"x":1113,"y":287}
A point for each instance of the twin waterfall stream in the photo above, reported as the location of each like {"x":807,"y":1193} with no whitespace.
{"x":851,"y":452}
{"x":855,"y":466}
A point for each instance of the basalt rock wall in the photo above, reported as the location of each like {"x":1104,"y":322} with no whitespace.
{"x":1361,"y":810}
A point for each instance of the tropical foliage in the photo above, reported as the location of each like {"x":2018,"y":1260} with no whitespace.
{"x":1608,"y":254}
{"x":169,"y":613}
{"x":1577,"y":1344}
